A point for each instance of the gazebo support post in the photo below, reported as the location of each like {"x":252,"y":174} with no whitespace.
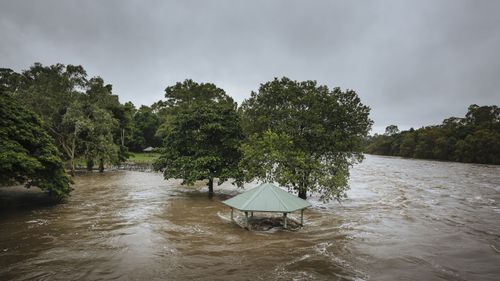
{"x":251,"y":214}
{"x":302,"y":217}
{"x":284,"y":219}
{"x":246,"y":219}
{"x":232,"y":214}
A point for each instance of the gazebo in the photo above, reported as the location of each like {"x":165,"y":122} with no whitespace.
{"x":267,"y":198}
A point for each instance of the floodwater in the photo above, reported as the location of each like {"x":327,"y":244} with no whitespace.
{"x":404,"y":220}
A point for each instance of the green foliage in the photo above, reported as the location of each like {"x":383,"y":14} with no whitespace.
{"x":101,"y":110}
{"x":95,"y":139}
{"x":82,"y":115}
{"x":121,"y":126}
{"x":303,"y":136}
{"x":406,"y":147}
{"x":27,"y":153}
{"x":48,"y":91}
{"x":146,"y":123}
{"x":9,"y":80}
{"x":202,"y":134}
{"x":125,"y":116}
{"x":144,"y":157}
{"x":391,"y":130}
{"x":473,"y":139}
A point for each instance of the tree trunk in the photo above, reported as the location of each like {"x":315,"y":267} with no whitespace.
{"x":90,"y":164}
{"x":71,"y":154}
{"x":101,"y":165}
{"x":303,"y":194}
{"x":72,"y":171}
{"x":123,"y":137}
{"x":303,"y":185}
{"x":210,"y":187}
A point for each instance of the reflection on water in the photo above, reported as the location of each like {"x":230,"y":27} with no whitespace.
{"x":404,"y":219}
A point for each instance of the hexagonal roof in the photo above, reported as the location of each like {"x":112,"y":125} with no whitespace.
{"x":267,"y":198}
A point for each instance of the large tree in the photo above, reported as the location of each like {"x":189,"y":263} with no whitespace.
{"x":202,"y":134}
{"x":82,"y":115}
{"x":100,"y":95}
{"x":27,"y":153}
{"x":102,"y":140}
{"x":49,"y":91}
{"x":90,"y":129}
{"x":303,"y":136}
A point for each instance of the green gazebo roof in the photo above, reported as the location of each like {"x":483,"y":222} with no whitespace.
{"x":267,"y":198}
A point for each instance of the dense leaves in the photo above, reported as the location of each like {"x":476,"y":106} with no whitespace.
{"x":473,"y":139}
{"x":146,"y":123}
{"x":83,"y":116}
{"x":103,"y":114}
{"x":303,"y":136}
{"x":202,"y":134}
{"x":27,"y":153}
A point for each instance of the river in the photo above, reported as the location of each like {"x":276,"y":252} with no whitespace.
{"x":403,"y":220}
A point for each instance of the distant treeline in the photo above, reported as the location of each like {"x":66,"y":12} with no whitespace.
{"x":473,"y":139}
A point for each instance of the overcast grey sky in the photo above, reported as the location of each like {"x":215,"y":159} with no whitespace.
{"x":413,"y":62}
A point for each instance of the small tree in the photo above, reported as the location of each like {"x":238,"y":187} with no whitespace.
{"x":303,"y":136}
{"x":202,"y":134}
{"x":27,"y":153}
{"x":391,"y":130}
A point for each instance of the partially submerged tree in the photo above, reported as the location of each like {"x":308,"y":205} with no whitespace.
{"x":82,"y":115}
{"x":105,"y":116}
{"x":303,"y":136}
{"x":112,"y":120}
{"x":93,"y":134}
{"x":126,"y":129}
{"x":27,"y":153}
{"x":202,"y":135}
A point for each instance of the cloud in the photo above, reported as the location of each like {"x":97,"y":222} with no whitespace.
{"x":414,"y":63}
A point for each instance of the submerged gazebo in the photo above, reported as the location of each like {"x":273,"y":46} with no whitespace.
{"x":267,"y":198}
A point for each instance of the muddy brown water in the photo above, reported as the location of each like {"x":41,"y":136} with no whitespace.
{"x":404,"y":220}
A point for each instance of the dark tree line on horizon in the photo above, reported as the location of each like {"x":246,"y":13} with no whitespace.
{"x":474,"y":138}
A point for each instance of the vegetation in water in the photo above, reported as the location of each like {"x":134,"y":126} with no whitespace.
{"x":202,"y":134}
{"x":303,"y":136}
{"x":27,"y":153}
{"x":473,"y":139}
{"x":82,"y":115}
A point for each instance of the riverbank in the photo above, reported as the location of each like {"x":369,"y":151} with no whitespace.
{"x":143,"y":157}
{"x":138,"y":161}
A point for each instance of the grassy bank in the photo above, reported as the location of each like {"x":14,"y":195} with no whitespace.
{"x":143,"y":157}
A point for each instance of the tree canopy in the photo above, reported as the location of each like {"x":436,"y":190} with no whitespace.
{"x":202,"y":134}
{"x":27,"y":153}
{"x":146,"y":123}
{"x":303,"y":136}
{"x":82,"y":115}
{"x":474,"y":138}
